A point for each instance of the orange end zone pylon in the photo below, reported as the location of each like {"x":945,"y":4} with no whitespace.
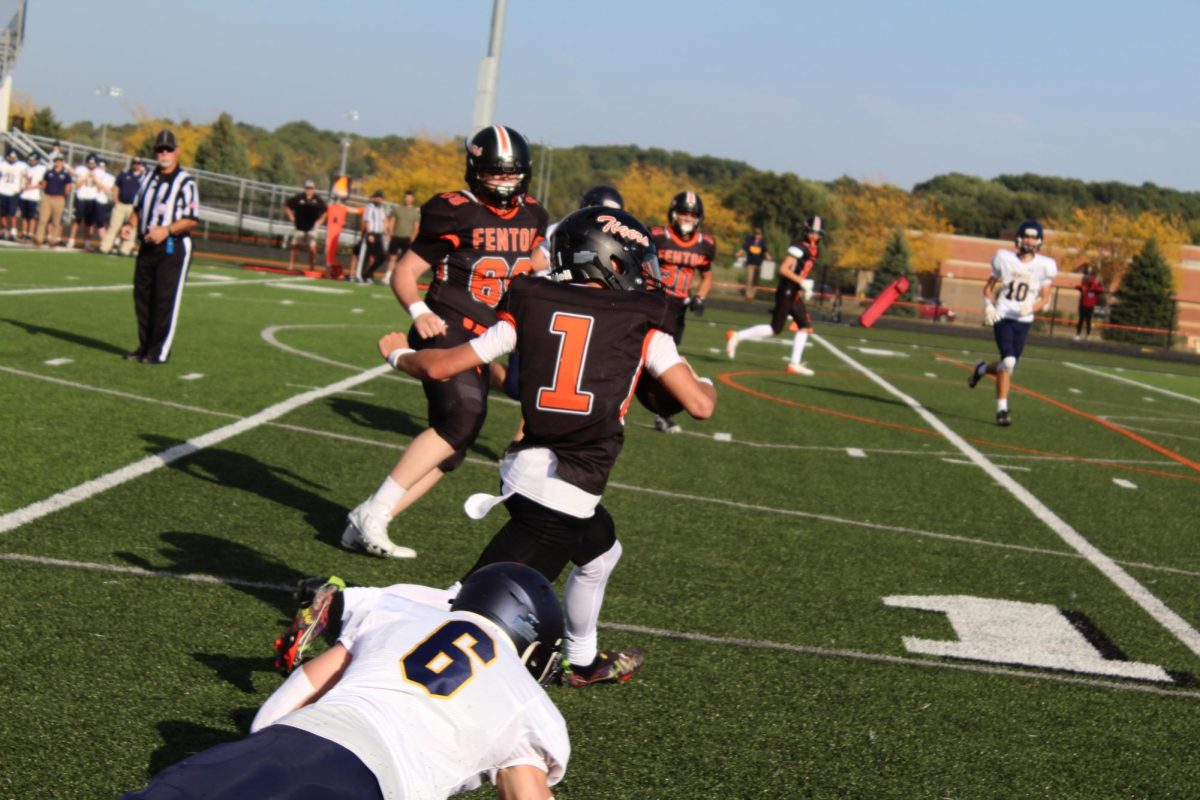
{"x":885,"y":299}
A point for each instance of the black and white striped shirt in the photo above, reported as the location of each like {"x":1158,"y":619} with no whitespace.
{"x":164,"y":199}
{"x":374,"y":218}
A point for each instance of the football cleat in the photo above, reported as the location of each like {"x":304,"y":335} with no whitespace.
{"x":666,"y":425}
{"x":367,"y":533}
{"x":799,"y":369}
{"x":316,"y":596}
{"x":1003,"y":418}
{"x":731,"y":343}
{"x":977,"y":374}
{"x":610,"y":666}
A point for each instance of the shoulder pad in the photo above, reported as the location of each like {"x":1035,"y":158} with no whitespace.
{"x":530,"y":200}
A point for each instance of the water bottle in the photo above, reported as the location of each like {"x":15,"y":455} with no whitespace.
{"x":170,"y":245}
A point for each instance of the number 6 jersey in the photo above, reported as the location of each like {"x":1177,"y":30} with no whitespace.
{"x":1020,"y":281}
{"x":475,"y":251}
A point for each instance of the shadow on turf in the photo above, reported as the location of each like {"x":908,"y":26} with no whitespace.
{"x":66,"y":336}
{"x":280,"y":485}
{"x":387,"y":419}
{"x":182,"y":739}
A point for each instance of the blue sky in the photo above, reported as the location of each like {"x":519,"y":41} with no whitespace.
{"x":885,"y":91}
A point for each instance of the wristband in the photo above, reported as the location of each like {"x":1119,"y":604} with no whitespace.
{"x":418,"y":308}
{"x":395,"y":355}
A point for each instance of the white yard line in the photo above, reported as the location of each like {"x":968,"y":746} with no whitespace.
{"x":128,"y":287}
{"x":662,"y":633}
{"x":1132,"y":382}
{"x":137,"y":469}
{"x":1175,"y":624}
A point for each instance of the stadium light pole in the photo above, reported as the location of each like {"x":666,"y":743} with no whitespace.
{"x":489,"y":70}
{"x":352,"y":116}
{"x":113,"y":92}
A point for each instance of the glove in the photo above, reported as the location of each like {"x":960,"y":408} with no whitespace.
{"x":990,"y":314}
{"x":696,"y":304}
{"x":1026,"y":308}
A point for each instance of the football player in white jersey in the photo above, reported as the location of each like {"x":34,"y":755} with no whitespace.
{"x":1023,"y":279}
{"x":12,"y":180}
{"x":414,"y":701}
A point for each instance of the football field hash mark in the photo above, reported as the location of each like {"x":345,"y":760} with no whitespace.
{"x":58,"y":362}
{"x":1124,"y":484}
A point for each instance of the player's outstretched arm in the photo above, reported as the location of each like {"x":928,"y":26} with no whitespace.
{"x":522,"y":782}
{"x":696,"y":395}
{"x":428,"y":365}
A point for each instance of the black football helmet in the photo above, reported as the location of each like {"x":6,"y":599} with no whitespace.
{"x":604,"y":244}
{"x":685,"y":203}
{"x":498,"y":150}
{"x":602,"y":195}
{"x":1029,"y":229}
{"x":522,"y":602}
{"x":814,"y":224}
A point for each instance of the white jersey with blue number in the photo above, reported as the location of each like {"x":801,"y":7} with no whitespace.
{"x":434,"y":702}
{"x":1020,"y":282}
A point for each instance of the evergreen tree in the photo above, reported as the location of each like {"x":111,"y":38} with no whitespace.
{"x":1144,"y":299}
{"x":223,"y":150}
{"x":276,"y":167}
{"x":895,"y":262}
{"x":44,"y":123}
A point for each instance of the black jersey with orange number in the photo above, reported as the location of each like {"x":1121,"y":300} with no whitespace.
{"x":582,"y":350}
{"x":475,"y":251}
{"x":805,"y":253}
{"x":680,"y":259}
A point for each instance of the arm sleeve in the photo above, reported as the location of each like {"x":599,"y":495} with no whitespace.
{"x":662,"y":354}
{"x":496,"y":341}
{"x":191,"y":201}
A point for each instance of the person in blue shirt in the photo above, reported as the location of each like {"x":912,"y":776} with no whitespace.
{"x":54,"y":199}
{"x":128,"y":183}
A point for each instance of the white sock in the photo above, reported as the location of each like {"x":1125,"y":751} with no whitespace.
{"x":1002,"y":404}
{"x":286,"y":699}
{"x":754,"y":332}
{"x":582,"y":597}
{"x":386,"y":496}
{"x":798,"y":343}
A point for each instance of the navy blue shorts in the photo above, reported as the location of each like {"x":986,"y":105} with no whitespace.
{"x":9,"y":205}
{"x":100,"y":215}
{"x":1010,"y":337}
{"x":279,"y":762}
{"x":29,"y":209}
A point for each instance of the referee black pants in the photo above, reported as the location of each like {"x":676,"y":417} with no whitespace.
{"x":158,"y":281}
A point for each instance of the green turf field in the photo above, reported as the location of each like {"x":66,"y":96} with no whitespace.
{"x":840,"y":595}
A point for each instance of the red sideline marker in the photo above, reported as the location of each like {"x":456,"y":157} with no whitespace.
{"x":885,"y":299}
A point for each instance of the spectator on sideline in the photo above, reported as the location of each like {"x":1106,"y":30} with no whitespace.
{"x":373,"y":227}
{"x":754,"y":248}
{"x":127,"y":185}
{"x":164,"y":213}
{"x":104,"y":190}
{"x":85,"y":202}
{"x":31,"y":196}
{"x":1024,"y":279}
{"x":402,"y":229}
{"x":54,"y":201}
{"x":12,"y":180}
{"x":1090,"y":291}
{"x":306,"y":211}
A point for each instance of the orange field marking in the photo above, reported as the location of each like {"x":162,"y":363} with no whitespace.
{"x":727,"y":378}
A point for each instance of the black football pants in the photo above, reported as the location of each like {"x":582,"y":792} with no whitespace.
{"x":158,"y":281}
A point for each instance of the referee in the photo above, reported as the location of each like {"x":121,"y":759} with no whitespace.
{"x":164,"y":211}
{"x":374,"y":227}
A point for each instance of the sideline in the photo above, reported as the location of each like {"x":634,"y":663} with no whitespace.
{"x":1132,"y":382}
{"x":1175,"y":624}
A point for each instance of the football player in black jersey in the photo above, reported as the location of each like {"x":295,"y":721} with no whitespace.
{"x":584,"y":337}
{"x":789,"y":299}
{"x":476,"y":240}
{"x":683,"y":251}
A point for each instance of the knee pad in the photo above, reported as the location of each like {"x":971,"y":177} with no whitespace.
{"x":1009,"y":364}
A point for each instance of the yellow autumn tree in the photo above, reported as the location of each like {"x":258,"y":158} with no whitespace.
{"x":430,"y":166}
{"x":872,"y":213}
{"x":647,"y":191}
{"x":1107,"y":239}
{"x":140,"y":140}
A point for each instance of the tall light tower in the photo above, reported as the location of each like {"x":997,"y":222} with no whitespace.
{"x":489,"y":70}
{"x":11,"y":37}
{"x":352,"y":116}
{"x":106,"y":91}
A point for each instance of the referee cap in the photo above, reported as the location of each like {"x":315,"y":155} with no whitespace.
{"x":166,"y":138}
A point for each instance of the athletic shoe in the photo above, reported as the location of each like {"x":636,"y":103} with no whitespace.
{"x":731,"y":343}
{"x":1003,"y":419}
{"x":799,"y":369}
{"x":666,"y":425}
{"x":367,"y":533}
{"x":977,"y":374}
{"x":316,"y":596}
{"x":133,"y":356}
{"x":610,"y":665}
